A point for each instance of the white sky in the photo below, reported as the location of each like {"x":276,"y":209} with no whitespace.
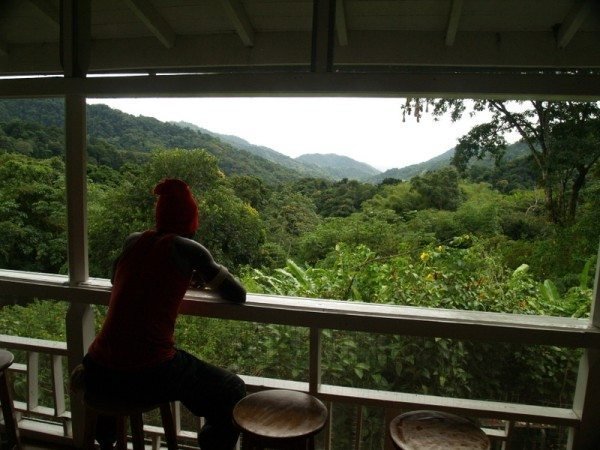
{"x":369,"y":130}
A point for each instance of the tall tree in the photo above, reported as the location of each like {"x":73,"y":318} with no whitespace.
{"x":563,"y":139}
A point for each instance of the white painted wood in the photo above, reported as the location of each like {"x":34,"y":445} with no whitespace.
{"x":390,"y":413}
{"x":453,"y":20}
{"x":573,"y":21}
{"x":595,"y":309}
{"x":45,"y":432}
{"x":358,"y":425}
{"x":314,"y":363}
{"x":74,"y":50}
{"x":340,"y":23}
{"x":58,"y":387}
{"x":476,"y":408}
{"x":460,"y":85}
{"x":329,"y":427}
{"x":76,"y":164}
{"x":254,"y":384}
{"x":33,"y":381}
{"x":80,"y":334}
{"x":176,"y":411}
{"x":80,"y":320}
{"x":153,"y":20}
{"x":236,"y":14}
{"x":44,"y":411}
{"x":586,"y":403}
{"x":357,"y":316}
{"x":322,"y":35}
{"x":33,"y":345}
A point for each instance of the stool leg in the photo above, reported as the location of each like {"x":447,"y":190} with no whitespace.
{"x":248,"y":443}
{"x":8,"y":412}
{"x":89,"y":429}
{"x":169,"y":426}
{"x":137,"y":431}
{"x":121,"y":433}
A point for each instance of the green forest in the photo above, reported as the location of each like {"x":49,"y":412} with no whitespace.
{"x":515,"y":235}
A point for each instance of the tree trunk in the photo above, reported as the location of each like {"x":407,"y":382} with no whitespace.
{"x":578,"y":184}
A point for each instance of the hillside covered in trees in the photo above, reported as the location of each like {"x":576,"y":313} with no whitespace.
{"x":482,"y":237}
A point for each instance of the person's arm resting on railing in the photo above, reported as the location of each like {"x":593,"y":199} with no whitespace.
{"x":192,"y":256}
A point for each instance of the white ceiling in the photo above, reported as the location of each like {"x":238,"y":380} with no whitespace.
{"x":277,"y":36}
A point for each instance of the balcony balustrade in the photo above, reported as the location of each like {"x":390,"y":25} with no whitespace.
{"x":62,"y":424}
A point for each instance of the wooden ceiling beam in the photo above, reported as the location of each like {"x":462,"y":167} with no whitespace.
{"x":323,"y":35}
{"x":48,"y":10}
{"x":340,"y":23}
{"x":153,"y":20}
{"x":307,"y":84}
{"x":573,"y":21}
{"x":517,"y":50}
{"x":453,"y":20}
{"x":235,"y":12}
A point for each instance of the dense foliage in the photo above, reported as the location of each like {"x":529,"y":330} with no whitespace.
{"x":475,"y":238}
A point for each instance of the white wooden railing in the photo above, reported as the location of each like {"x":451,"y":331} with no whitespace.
{"x":318,"y":315}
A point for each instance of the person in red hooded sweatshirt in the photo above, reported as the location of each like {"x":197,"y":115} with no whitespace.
{"x":134,"y":355}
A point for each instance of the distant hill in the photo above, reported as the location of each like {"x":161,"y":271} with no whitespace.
{"x":513,"y":152}
{"x":340,"y":167}
{"x":113,"y":135}
{"x":307,"y":170}
{"x":406,"y":173}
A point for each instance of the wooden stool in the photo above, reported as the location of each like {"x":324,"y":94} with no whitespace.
{"x":120,"y":411}
{"x":8,"y":412}
{"x":425,"y":430}
{"x":279,"y":419}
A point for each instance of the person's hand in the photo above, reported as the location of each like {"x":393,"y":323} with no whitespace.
{"x":197,"y":282}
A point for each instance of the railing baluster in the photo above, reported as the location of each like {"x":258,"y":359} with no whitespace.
{"x":58,"y":386}
{"x":358,"y":427}
{"x":314,"y":363}
{"x":176,"y":411}
{"x":508,"y":429}
{"x":329,"y":428}
{"x":390,"y":413}
{"x":33,"y":380}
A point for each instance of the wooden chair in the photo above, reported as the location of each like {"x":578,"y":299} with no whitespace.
{"x":8,"y":412}
{"x":424,"y":430}
{"x":279,"y":419}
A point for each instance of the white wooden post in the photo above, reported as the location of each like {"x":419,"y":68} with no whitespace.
{"x":314,"y":363}
{"x":80,"y":317}
{"x":587,"y":391}
{"x":74,"y":37}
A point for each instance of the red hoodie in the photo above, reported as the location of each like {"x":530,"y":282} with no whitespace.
{"x":144,"y":303}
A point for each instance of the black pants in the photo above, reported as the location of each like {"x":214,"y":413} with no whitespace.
{"x":206,"y":390}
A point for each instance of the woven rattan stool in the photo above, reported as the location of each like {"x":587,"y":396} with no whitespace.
{"x":427,"y":430}
{"x":279,"y":419}
{"x":8,"y":412}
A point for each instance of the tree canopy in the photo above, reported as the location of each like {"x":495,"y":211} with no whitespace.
{"x":562,"y":137}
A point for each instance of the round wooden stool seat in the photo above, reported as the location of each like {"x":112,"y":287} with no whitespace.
{"x":279,"y":419}
{"x":433,"y":430}
{"x":8,"y":412}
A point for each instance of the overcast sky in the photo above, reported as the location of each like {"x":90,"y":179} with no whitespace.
{"x":369,"y":130}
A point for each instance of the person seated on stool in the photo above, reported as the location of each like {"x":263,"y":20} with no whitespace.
{"x":134,"y":357}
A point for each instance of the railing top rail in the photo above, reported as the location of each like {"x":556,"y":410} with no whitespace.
{"x":33,"y":344}
{"x":330,"y":314}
